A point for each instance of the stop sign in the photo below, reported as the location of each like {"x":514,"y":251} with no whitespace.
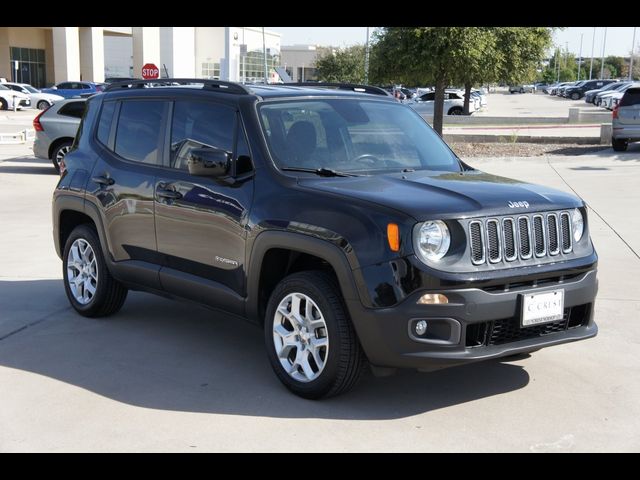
{"x":150,"y":71}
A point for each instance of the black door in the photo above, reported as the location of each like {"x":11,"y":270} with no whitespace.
{"x":200,"y":221}
{"x":130,"y":137}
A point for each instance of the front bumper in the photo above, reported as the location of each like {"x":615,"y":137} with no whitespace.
{"x":476,"y":324}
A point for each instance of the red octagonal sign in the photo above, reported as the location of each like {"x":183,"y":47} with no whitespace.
{"x":150,"y":71}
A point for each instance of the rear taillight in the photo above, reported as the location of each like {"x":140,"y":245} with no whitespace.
{"x":615,"y":112}
{"x":36,"y":122}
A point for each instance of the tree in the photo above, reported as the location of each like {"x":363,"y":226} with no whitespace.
{"x":341,"y":65}
{"x":442,"y":56}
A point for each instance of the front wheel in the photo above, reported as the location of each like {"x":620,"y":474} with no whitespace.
{"x":3,"y":104}
{"x":90,"y":288}
{"x":43,"y":105}
{"x":575,"y":96}
{"x":311,"y":343}
{"x":522,"y":90}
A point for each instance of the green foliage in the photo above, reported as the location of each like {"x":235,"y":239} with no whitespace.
{"x":342,"y":65}
{"x":444,"y":56}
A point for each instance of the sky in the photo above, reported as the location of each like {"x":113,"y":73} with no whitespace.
{"x":619,"y":39}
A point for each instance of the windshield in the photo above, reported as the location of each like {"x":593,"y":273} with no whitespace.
{"x":352,"y":135}
{"x":31,"y":89}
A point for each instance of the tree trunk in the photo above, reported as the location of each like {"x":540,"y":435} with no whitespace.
{"x":467,"y":97}
{"x":438,"y":106}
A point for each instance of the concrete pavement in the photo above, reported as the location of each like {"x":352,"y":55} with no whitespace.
{"x":170,"y":376}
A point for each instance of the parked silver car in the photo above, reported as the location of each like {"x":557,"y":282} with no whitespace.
{"x":626,"y":119}
{"x":56,"y":129}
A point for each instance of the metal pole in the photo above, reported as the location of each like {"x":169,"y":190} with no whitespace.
{"x":580,"y":58}
{"x":593,"y":42}
{"x":366,"y":59}
{"x":244,"y":56}
{"x":264,"y":53}
{"x":558,"y":54}
{"x":633,"y":47}
{"x":604,"y":44}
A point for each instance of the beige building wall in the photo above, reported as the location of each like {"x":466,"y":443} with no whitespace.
{"x":25,"y":37}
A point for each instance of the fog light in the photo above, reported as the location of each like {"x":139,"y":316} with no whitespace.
{"x":421,"y":327}
{"x":432,"y":298}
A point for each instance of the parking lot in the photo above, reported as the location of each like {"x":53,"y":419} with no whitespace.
{"x":503,"y":103}
{"x":165,"y":375}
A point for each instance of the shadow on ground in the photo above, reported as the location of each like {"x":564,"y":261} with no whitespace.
{"x":29,"y":165}
{"x":169,"y":355}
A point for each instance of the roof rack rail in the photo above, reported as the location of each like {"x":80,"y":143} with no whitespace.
{"x":342,"y":86}
{"x":220,"y":85}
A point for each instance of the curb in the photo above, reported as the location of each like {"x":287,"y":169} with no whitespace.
{"x":452,"y":138}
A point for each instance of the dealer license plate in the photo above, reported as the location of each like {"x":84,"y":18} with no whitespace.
{"x":544,"y":307}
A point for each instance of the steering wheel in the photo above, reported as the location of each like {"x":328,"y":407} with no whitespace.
{"x":367,"y":159}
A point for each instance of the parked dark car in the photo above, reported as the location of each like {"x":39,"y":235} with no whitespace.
{"x":331,"y":215}
{"x":577,"y":91}
{"x":590,"y":95}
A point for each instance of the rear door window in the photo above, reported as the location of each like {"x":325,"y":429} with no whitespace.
{"x":139,"y":130}
{"x":631,"y":97}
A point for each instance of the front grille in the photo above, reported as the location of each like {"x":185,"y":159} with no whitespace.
{"x":506,"y":330}
{"x":507,"y":239}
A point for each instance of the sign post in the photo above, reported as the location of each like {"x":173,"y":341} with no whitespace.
{"x":150,"y":71}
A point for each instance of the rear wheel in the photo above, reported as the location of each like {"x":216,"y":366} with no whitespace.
{"x":59,"y":153}
{"x":43,"y":105}
{"x":619,"y":144}
{"x":311,"y":344}
{"x":522,"y":90}
{"x":3,"y":104}
{"x":575,"y":96}
{"x":90,"y":288}
{"x":455,"y":111}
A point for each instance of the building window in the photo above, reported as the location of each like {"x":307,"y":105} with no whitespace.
{"x":31,"y":66}
{"x":211,"y":71}
{"x":253,"y":68}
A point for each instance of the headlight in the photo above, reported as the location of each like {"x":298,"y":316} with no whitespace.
{"x":577,"y":224}
{"x":431,"y":240}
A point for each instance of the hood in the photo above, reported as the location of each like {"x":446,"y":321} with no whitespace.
{"x":48,"y":96}
{"x":428,"y":195}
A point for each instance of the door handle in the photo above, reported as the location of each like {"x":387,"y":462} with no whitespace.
{"x":168,"y":194}
{"x":102,"y":180}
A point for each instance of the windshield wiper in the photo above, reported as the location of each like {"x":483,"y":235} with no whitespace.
{"x":323,"y":172}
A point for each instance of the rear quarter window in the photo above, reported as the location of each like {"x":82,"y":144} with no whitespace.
{"x":631,"y":97}
{"x":73,"y":109}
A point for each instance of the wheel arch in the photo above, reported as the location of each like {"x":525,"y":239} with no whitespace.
{"x":275,"y":255}
{"x":56,"y":143}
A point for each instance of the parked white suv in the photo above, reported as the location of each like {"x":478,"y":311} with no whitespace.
{"x":453,"y":103}
{"x":10,"y":97}
{"x":38,"y":99}
{"x":626,"y":119}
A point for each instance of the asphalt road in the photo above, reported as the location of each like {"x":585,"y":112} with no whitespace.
{"x":170,"y":376}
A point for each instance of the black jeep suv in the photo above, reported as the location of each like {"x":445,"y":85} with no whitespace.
{"x":331,"y":215}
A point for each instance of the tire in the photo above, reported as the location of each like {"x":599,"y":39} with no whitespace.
{"x":43,"y":105}
{"x":575,"y":96}
{"x":59,"y":153}
{"x":343,"y":357}
{"x":619,"y":144}
{"x":455,"y":111}
{"x":512,"y":92}
{"x":108,"y":294}
{"x":3,"y":104}
{"x":522,"y":90}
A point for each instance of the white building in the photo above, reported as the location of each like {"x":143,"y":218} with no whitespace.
{"x":46,"y":55}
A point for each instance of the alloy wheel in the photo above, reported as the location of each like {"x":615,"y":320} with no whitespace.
{"x":82,"y":271}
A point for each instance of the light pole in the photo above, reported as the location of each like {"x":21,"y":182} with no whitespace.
{"x":593,"y":42}
{"x":580,"y":56}
{"x":558,"y":63}
{"x":604,"y":44}
{"x":264,"y":54}
{"x":633,"y":46}
{"x":366,"y":59}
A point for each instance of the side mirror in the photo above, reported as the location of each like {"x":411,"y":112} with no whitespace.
{"x":209,"y":162}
